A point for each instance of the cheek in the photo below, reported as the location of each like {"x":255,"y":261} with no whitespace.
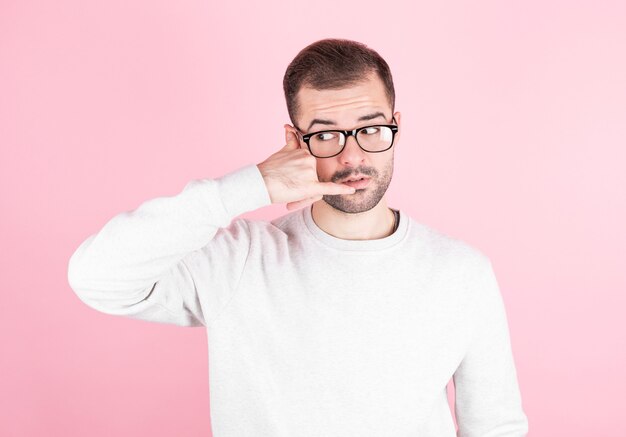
{"x":383,"y":166}
{"x":324,"y":171}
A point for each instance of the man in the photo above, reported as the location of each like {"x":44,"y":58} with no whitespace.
{"x":343,"y":317}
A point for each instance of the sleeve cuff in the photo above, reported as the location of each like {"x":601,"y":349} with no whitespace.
{"x":243,"y":190}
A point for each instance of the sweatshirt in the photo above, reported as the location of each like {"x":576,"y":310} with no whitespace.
{"x":310,"y":335}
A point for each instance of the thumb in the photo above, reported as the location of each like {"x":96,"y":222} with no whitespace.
{"x":291,"y":140}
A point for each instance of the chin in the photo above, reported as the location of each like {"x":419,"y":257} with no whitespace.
{"x":344,"y":203}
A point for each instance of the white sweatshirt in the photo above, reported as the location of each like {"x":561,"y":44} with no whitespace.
{"x":310,"y":335}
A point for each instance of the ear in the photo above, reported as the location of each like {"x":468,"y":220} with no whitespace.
{"x":397,"y":116}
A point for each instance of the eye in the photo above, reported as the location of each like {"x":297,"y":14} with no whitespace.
{"x":326,"y":136}
{"x":372,"y":130}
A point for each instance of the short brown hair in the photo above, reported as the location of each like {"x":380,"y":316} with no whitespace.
{"x":332,"y":64}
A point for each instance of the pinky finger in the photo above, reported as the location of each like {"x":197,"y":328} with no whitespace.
{"x":304,"y":202}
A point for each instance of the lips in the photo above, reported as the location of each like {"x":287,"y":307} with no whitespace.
{"x":357,"y":183}
{"x":354,"y":179}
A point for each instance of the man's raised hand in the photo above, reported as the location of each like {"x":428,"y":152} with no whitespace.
{"x":290,"y":176}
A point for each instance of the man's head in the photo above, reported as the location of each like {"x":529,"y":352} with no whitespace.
{"x":343,"y":84}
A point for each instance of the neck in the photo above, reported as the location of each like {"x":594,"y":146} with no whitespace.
{"x":376,"y":223}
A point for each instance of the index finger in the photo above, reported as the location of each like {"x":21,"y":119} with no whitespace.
{"x":333,"y":188}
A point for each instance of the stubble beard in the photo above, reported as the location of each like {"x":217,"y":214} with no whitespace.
{"x":366,"y":198}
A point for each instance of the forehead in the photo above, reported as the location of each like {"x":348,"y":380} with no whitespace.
{"x":343,"y":106}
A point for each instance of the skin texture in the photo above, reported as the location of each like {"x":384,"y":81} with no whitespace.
{"x":363,"y":215}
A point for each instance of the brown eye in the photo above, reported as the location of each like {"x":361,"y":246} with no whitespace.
{"x":326,"y":136}
{"x":371,"y":130}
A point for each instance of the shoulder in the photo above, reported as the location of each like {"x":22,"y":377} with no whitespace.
{"x":263,"y":232}
{"x":451,"y":260}
{"x":446,"y":247}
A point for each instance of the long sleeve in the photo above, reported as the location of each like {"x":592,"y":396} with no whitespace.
{"x":140,"y":264}
{"x":488,"y":400}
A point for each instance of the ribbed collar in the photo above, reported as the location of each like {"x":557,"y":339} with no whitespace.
{"x":356,"y":245}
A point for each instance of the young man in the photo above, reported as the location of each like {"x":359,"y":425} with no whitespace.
{"x":343,"y":317}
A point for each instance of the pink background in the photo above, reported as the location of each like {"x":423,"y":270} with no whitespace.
{"x":514,"y":118}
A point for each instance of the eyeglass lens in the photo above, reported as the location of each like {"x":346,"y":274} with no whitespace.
{"x":372,"y":139}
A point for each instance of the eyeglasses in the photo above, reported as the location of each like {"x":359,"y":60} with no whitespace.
{"x":373,"y":139}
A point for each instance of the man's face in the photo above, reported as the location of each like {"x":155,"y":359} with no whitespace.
{"x":363,"y":104}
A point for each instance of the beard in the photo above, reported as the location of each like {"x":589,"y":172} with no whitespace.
{"x":363,"y":199}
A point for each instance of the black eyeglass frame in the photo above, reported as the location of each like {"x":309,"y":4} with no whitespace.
{"x":353,"y":132}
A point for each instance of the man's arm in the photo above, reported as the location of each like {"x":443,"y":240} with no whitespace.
{"x":138,"y":264}
{"x":143,"y":264}
{"x":488,"y":400}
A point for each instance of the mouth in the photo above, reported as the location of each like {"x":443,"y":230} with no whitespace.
{"x":357,"y":182}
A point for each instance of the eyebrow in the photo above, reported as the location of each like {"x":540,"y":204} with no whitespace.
{"x":332,"y":123}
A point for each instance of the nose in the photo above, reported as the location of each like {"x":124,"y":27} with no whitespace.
{"x":352,"y":155}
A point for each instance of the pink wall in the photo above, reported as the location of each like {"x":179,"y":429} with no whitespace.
{"x":514,"y":117}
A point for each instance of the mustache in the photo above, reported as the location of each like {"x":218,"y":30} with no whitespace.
{"x":357,"y":171}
